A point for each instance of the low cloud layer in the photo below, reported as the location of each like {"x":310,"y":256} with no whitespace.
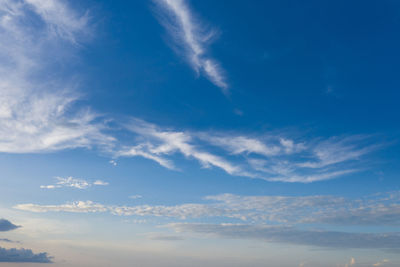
{"x":23,"y":255}
{"x":328,"y":239}
{"x":374,"y":210}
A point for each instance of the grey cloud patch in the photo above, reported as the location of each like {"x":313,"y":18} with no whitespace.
{"x":7,"y":240}
{"x":6,"y":225}
{"x":163,"y":237}
{"x":23,"y":255}
{"x":328,"y":239}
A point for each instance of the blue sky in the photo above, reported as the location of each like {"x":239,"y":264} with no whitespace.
{"x":186,"y":133}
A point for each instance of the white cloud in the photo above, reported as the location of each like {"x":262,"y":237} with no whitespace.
{"x":163,"y":142}
{"x":60,"y":19}
{"x":99,"y":182}
{"x":73,"y":182}
{"x":35,"y":107}
{"x":270,"y":157}
{"x":191,"y":39}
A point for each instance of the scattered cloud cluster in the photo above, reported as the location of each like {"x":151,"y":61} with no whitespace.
{"x":191,"y":39}
{"x":270,"y":218}
{"x":376,"y":210}
{"x":73,"y":182}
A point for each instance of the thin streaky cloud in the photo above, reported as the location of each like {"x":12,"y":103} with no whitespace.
{"x":290,"y":235}
{"x":191,"y":40}
{"x":382,"y":210}
{"x":274,"y":158}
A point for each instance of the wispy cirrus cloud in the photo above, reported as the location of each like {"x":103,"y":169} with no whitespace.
{"x":272,"y":157}
{"x":73,"y":182}
{"x":191,"y":39}
{"x":35,"y":107}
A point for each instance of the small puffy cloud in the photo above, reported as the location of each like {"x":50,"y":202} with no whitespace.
{"x":113,"y":162}
{"x":135,"y":196}
{"x":99,"y":182}
{"x":23,"y":255}
{"x":73,"y":182}
{"x":6,"y":225}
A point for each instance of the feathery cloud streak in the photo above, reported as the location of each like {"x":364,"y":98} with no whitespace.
{"x":191,"y":39}
{"x":268,"y":157}
{"x":35,"y":107}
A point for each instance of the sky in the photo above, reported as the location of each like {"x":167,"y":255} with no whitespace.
{"x":199,"y":133}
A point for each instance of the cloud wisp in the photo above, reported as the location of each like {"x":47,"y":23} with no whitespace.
{"x":191,"y":39}
{"x":269,"y":157}
{"x":35,"y":107}
{"x":73,"y":182}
